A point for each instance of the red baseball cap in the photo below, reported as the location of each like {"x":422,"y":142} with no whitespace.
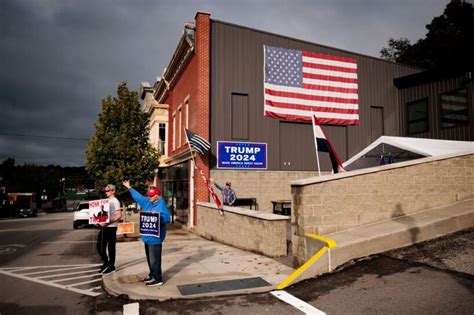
{"x":153,"y":192}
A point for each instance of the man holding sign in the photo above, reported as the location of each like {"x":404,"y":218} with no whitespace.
{"x":153,"y":222}
{"x":107,"y":221}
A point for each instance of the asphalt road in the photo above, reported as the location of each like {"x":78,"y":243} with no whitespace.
{"x":42,"y":260}
{"x":46,"y":267}
{"x":434,"y":277}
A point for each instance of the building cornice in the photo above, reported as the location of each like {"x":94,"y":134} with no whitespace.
{"x":180,"y":59}
{"x":177,"y":159}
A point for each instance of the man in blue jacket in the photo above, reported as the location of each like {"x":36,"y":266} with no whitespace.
{"x":153,"y":202}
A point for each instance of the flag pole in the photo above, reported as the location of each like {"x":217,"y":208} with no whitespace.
{"x":191,"y":188}
{"x":315,"y":143}
{"x":189,"y":146}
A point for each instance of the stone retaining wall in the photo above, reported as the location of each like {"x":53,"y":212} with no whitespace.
{"x":338,"y":202}
{"x":255,"y":231}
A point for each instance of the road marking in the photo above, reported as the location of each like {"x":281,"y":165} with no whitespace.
{"x":73,"y":278}
{"x":297,"y":303}
{"x":67,"y":274}
{"x":69,"y":242}
{"x":131,"y":309}
{"x":17,"y":273}
{"x":61,"y":269}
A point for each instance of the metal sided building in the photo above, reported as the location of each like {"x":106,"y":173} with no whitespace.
{"x":214,"y":86}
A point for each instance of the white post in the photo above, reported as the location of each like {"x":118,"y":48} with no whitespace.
{"x":315,"y":143}
{"x":329,"y":259}
{"x":191,"y":195}
{"x":191,"y":184}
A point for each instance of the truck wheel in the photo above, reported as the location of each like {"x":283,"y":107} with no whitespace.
{"x":75,"y":225}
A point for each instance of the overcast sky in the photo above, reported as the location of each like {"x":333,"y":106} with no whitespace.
{"x":59,"y":58}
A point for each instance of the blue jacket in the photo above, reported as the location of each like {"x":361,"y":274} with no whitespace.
{"x":158,"y":206}
{"x":228,"y":194}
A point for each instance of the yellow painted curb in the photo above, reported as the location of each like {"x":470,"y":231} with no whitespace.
{"x":330,"y":244}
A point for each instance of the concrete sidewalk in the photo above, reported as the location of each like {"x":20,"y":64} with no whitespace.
{"x":191,"y":266}
{"x":195,"y":267}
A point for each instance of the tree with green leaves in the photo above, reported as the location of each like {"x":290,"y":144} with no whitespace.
{"x":396,"y":48}
{"x":119,"y":149}
{"x":448,"y":45}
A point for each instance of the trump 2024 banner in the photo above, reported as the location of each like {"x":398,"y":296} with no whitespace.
{"x":99,"y":211}
{"x":249,"y":155}
{"x":150,"y":224}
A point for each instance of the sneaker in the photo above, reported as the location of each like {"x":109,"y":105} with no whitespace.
{"x":108,"y":270}
{"x":102,"y":269}
{"x":148,"y":279}
{"x":153,"y":283}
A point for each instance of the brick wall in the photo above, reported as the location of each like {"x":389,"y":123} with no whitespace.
{"x":262,"y":233}
{"x":203,"y":33}
{"x":193,"y":86}
{"x":339,"y":202}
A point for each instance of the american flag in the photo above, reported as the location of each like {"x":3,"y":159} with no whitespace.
{"x":299,"y":84}
{"x":197,"y":142}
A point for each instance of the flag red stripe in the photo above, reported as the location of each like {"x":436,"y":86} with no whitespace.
{"x":332,"y":121}
{"x":312,"y":97}
{"x":328,"y":57}
{"x":316,"y":120}
{"x":209,"y":188}
{"x":312,"y":108}
{"x":328,"y":67}
{"x":330,"y":88}
{"x":328,"y":78}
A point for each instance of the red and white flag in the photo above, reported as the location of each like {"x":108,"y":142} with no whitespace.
{"x":298,"y":84}
{"x":324,"y":145}
{"x":216,"y":199}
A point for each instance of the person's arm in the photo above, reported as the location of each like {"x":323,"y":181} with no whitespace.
{"x":165,"y":216}
{"x":118,"y":212}
{"x":233,"y":197}
{"x":143,"y":201}
{"x":218,"y":187}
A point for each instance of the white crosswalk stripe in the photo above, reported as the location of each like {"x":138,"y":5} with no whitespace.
{"x":297,"y":303}
{"x":68,"y":277}
{"x":131,"y":309}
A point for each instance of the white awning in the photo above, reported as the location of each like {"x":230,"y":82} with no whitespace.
{"x":404,"y":149}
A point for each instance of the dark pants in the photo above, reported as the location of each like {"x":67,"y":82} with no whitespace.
{"x":106,"y":240}
{"x":153,"y":257}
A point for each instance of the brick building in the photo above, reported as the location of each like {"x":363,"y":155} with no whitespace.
{"x":213,"y":86}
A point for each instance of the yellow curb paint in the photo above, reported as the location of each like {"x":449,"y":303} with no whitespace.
{"x":331,"y":243}
{"x":305,"y":266}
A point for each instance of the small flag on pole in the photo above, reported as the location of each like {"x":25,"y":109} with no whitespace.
{"x":324,"y":145}
{"x":197,"y":143}
{"x":209,"y":187}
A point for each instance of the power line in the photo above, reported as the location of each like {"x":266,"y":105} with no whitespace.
{"x":41,"y":136}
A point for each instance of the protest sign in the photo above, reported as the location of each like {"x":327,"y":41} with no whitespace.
{"x":150,"y":224}
{"x":99,"y":211}
{"x":125,"y":228}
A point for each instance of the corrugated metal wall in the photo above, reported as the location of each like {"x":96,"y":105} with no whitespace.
{"x":432,"y":92}
{"x":237,"y":68}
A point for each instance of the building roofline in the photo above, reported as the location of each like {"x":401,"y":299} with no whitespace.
{"x":312,"y":43}
{"x":429,"y":76}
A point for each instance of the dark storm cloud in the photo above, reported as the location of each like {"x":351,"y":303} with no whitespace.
{"x":60,"y":58}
